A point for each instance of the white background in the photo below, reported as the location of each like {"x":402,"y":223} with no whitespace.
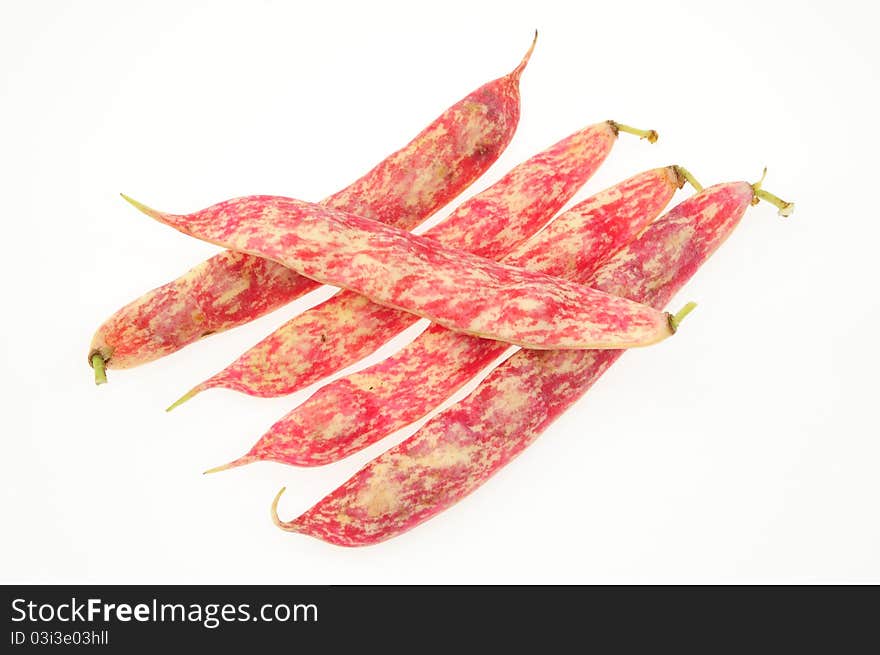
{"x":743,"y":450}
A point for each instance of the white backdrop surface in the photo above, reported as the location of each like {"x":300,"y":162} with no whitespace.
{"x":745,"y":449}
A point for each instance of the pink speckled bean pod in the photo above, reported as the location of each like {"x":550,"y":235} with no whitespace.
{"x":359,"y":409}
{"x":232,"y":288}
{"x":462,"y":447}
{"x":348,"y":327}
{"x":458,"y":290}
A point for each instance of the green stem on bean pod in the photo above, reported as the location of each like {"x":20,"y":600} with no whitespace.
{"x":686,"y":176}
{"x":785,"y":208}
{"x":98,"y":365}
{"x":650,"y":135}
{"x":676,"y":319}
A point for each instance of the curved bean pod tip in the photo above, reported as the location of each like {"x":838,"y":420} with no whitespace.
{"x":525,"y":60}
{"x":274,"y":512}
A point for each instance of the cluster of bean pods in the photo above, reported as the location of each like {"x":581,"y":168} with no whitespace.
{"x":573,"y":292}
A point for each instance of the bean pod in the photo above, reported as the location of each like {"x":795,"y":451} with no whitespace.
{"x":233,"y":288}
{"x":456,"y":289}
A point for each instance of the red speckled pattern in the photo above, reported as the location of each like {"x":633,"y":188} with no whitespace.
{"x":232,"y":288}
{"x":348,"y":327}
{"x":461,"y":448}
{"x":453,"y":288}
{"x":359,"y":409}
